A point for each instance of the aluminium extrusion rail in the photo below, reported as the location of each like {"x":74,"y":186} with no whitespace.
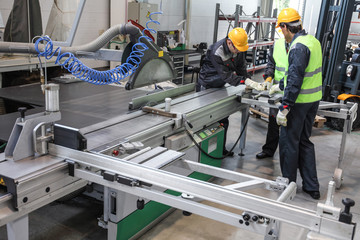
{"x":236,"y":199}
{"x":9,"y":214}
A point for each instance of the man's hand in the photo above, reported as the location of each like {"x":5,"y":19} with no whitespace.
{"x":274,"y":89}
{"x":281,"y":117}
{"x":253,"y":84}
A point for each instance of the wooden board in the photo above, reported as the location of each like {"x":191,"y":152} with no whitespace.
{"x":258,"y":113}
{"x":319,"y":121}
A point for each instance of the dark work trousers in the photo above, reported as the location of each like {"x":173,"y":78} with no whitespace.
{"x":225,"y":123}
{"x":272,"y":136}
{"x":296,"y":149}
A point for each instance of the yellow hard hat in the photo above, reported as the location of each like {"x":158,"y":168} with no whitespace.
{"x":239,"y":38}
{"x":287,"y":15}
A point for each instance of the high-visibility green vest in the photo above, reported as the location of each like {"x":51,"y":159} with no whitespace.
{"x":281,"y":60}
{"x":311,"y":88}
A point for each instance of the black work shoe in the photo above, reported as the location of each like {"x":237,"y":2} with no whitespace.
{"x":227,"y":153}
{"x":313,"y":194}
{"x":262,"y":155}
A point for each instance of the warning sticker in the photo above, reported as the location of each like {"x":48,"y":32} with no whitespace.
{"x":2,"y":182}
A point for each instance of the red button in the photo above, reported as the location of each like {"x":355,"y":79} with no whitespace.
{"x":115,"y":153}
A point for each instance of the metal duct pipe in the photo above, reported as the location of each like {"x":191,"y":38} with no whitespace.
{"x":102,"y":40}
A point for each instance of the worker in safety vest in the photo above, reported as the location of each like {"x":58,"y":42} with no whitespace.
{"x":225,"y":62}
{"x":274,"y":74}
{"x":302,"y":94}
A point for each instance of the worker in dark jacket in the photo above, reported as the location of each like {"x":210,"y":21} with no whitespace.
{"x":302,"y":94}
{"x":274,"y":74}
{"x":225,"y":62}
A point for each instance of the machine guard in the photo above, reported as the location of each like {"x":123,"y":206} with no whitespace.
{"x":156,"y":66}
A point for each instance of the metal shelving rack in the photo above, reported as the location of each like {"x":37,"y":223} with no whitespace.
{"x":179,"y":68}
{"x":255,"y":41}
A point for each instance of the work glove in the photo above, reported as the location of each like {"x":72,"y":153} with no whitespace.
{"x":254,"y":85}
{"x":281,"y":117}
{"x":274,"y":89}
{"x":267,"y":83}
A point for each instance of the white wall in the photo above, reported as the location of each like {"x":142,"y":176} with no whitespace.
{"x":311,"y":16}
{"x":118,"y":12}
{"x":5,"y":8}
{"x":173,"y":13}
{"x":202,"y":16}
{"x":94,"y":20}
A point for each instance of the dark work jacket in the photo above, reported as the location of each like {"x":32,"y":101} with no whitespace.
{"x":220,"y":66}
{"x":270,"y":66}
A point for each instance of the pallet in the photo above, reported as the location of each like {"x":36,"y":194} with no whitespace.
{"x":318,"y":122}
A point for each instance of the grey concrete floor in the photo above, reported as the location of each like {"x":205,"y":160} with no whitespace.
{"x":76,"y":219}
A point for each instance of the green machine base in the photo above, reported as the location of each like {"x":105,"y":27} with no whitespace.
{"x":211,"y":141}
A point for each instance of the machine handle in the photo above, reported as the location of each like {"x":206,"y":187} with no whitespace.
{"x":348,"y":202}
{"x":346,"y":216}
{"x":22,"y":111}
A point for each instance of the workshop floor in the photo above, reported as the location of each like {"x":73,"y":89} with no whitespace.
{"x":76,"y":219}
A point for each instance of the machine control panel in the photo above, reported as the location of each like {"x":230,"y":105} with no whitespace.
{"x":207,"y":132}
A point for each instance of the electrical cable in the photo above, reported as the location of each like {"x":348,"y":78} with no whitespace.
{"x":87,"y":74}
{"x":2,"y":145}
{"x":207,"y":154}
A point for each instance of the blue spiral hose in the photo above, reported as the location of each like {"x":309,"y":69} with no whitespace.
{"x":80,"y":70}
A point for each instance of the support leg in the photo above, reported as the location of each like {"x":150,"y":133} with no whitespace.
{"x":112,"y":230}
{"x":18,"y":229}
{"x":244,"y":117}
{"x":337,"y":177}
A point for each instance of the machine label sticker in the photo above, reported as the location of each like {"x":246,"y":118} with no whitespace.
{"x":2,"y":182}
